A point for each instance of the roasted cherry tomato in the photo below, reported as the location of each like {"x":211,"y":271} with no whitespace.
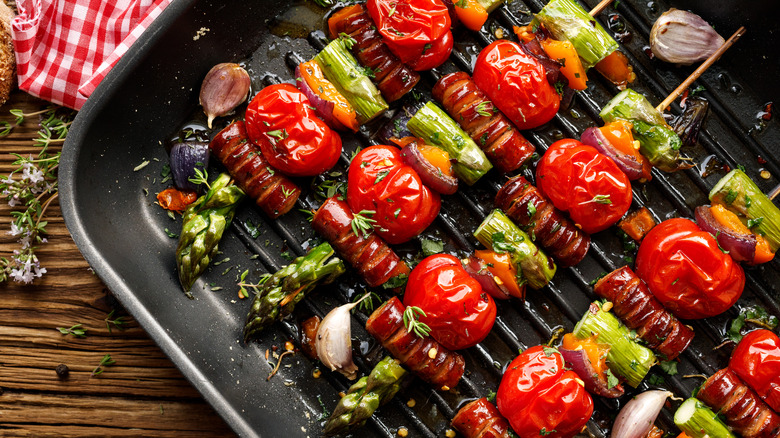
{"x":686,"y":270}
{"x":281,"y":121}
{"x":416,"y":31}
{"x":176,"y":200}
{"x":756,"y":360}
{"x":380,"y":182}
{"x":516,"y":83}
{"x":459,"y":314}
{"x":540,"y":398}
{"x":588,"y":185}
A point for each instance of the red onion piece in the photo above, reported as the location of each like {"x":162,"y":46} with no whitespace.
{"x":185,"y":158}
{"x":741,"y":247}
{"x":629,"y":164}
{"x":638,"y":415}
{"x":478,"y":270}
{"x":322,"y":107}
{"x":430,"y":175}
{"x":594,"y":382}
{"x":396,"y":126}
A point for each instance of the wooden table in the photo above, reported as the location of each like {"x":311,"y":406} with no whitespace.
{"x":142,"y":394}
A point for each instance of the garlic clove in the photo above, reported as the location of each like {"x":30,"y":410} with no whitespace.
{"x":334,"y":340}
{"x":682,"y":37}
{"x":225,"y":87}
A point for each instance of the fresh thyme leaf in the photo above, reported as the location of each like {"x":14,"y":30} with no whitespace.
{"x":74,"y":330}
{"x":411,"y":318}
{"x":106,"y":361}
{"x":363,"y":223}
{"x":118,"y":322}
{"x":482,"y":109}
{"x":430,"y":246}
{"x":601,"y":199}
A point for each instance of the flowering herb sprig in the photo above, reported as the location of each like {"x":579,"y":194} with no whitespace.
{"x":30,"y":189}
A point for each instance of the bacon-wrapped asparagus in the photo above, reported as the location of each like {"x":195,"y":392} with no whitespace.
{"x":423,"y":356}
{"x":640,"y":310}
{"x":503,"y":144}
{"x":369,"y":254}
{"x":743,"y":410}
{"x":480,"y":419}
{"x":273,"y":192}
{"x":391,"y":76}
{"x":526,"y":205}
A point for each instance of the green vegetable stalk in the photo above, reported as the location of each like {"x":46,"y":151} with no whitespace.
{"x":657,"y":141}
{"x":566,"y":20}
{"x":490,"y":5}
{"x":698,"y":421}
{"x":434,"y":126}
{"x":204,"y":222}
{"x":351,"y":80}
{"x":500,"y":234}
{"x":365,"y":396}
{"x":278,"y":294}
{"x":626,"y":357}
{"x":739,"y":194}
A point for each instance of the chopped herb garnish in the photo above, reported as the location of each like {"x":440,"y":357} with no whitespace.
{"x":363,"y":223}
{"x":381,"y":175}
{"x":612,"y":381}
{"x":601,"y":199}
{"x":482,"y":109}
{"x":669,"y":367}
{"x":430,"y":246}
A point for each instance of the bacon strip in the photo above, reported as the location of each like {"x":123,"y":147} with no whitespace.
{"x":531,"y":210}
{"x":641,"y":311}
{"x":423,"y":356}
{"x":371,"y":256}
{"x":273,"y":192}
{"x":503,"y":144}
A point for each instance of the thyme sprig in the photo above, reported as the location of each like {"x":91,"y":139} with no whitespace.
{"x":30,"y":189}
{"x":118,"y":322}
{"x":105,"y":362}
{"x":412,"y":322}
{"x":74,"y":330}
{"x":363,"y":223}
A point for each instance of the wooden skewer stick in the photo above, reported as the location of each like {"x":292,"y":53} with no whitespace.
{"x":773,"y":194}
{"x":599,"y":7}
{"x":698,"y":72}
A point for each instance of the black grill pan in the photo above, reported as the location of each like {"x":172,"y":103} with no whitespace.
{"x":152,"y":93}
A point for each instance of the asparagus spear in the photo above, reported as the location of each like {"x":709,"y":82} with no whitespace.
{"x":350,"y":79}
{"x":498,"y":232}
{"x":204,"y":222}
{"x":365,"y":396}
{"x":566,"y":20}
{"x":626,"y":357}
{"x":657,"y":141}
{"x":698,"y":421}
{"x":738,"y":193}
{"x":278,"y":294}
{"x":434,"y":126}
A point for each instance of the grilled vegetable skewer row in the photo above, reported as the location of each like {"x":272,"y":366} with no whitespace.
{"x":743,"y":410}
{"x":530,"y":209}
{"x":376,"y":262}
{"x":278,"y":294}
{"x":641,"y":311}
{"x":480,"y":419}
{"x":393,"y":78}
{"x":503,"y":144}
{"x":424,"y":356}
{"x":273,"y":192}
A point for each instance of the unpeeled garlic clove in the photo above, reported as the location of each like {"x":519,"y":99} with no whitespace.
{"x":334,"y":340}
{"x":225,"y":87}
{"x":682,"y":37}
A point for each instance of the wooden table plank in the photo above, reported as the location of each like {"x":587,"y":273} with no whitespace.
{"x":143,"y":394}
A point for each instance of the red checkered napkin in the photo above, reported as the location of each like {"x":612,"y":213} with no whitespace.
{"x":64,"y":48}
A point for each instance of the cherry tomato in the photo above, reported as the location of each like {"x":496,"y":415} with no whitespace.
{"x":684,"y":268}
{"x":281,"y":121}
{"x":379,"y":181}
{"x":588,"y":185}
{"x":756,"y":360}
{"x":459,"y":314}
{"x":540,"y":397}
{"x":516,"y":83}
{"x":416,"y":31}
